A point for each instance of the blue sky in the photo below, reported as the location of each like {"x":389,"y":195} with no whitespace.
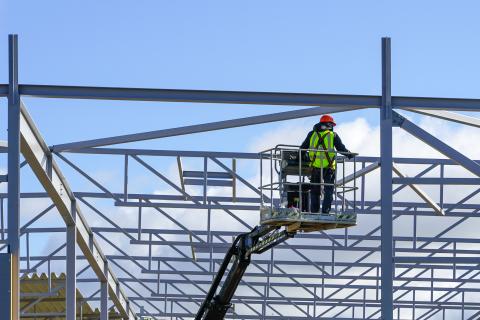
{"x":306,"y":46}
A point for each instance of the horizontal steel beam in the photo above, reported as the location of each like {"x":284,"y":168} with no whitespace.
{"x":250,"y":200}
{"x":238,"y":155}
{"x":337,"y":302}
{"x":38,"y":156}
{"x":456,"y":210}
{"x":210,"y":174}
{"x":210,"y":182}
{"x":239,"y":97}
{"x":273,"y":316}
{"x":308,"y":277}
{"x":167,"y":153}
{"x":438,"y":181}
{"x":443,"y":260}
{"x":134,"y":204}
{"x":281,"y":263}
{"x":307,"y":300}
{"x":451,"y":104}
{"x":218,"y":247}
{"x":202,"y":96}
{"x":367,"y":283}
{"x":228,"y":234}
{"x":398,"y":207}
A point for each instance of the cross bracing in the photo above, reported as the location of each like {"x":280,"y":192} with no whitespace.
{"x":165,"y":267}
{"x":325,"y":244}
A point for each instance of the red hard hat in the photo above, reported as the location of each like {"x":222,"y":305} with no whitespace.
{"x":327,"y":118}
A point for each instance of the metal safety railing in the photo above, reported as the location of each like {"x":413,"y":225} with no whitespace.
{"x":289,"y":167}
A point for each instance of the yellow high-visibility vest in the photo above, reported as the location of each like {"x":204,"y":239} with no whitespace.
{"x":320,"y":158}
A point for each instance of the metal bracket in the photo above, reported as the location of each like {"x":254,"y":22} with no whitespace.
{"x":397,"y":119}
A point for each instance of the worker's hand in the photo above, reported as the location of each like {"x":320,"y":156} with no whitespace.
{"x":350,"y":156}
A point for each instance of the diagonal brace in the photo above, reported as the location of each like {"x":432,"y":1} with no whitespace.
{"x":420,"y":192}
{"x":210,"y":126}
{"x":437,"y":144}
{"x":39,"y":157}
{"x":448,"y":115}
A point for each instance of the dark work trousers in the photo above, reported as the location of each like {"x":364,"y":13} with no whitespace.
{"x":328,"y":177}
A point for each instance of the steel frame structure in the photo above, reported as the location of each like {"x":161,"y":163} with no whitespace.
{"x":368,"y":274}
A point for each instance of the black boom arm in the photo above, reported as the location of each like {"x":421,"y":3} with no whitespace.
{"x":259,"y":240}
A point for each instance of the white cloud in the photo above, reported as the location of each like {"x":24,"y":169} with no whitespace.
{"x":361,"y":137}
{"x":358,"y":135}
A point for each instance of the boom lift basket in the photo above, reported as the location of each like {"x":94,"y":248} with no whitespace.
{"x":290,"y":211}
{"x":289,"y":170}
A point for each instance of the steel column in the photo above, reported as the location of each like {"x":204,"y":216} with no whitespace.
{"x":5,"y":281}
{"x":13,"y":180}
{"x":386,"y":184}
{"x":71,"y":281}
{"x":104,"y":296}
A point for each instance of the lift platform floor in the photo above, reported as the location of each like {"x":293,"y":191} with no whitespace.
{"x":294,"y":220}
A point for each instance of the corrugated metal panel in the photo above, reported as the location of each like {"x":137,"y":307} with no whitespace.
{"x":38,"y":299}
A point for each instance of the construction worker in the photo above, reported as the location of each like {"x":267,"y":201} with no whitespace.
{"x":323,"y":139}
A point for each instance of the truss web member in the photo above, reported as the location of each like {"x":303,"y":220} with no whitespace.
{"x":325,"y":141}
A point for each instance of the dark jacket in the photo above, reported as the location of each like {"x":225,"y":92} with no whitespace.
{"x":337,"y":142}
